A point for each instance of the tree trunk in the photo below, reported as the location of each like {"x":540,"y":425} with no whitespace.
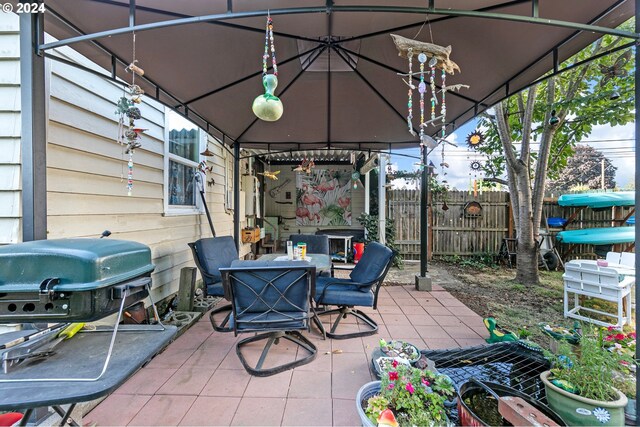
{"x":527,"y":252}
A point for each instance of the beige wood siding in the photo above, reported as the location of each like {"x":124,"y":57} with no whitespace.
{"x":10,"y":184}
{"x":86,"y":172}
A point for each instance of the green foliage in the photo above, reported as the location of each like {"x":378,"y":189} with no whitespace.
{"x":415,"y":396}
{"x":591,"y":105}
{"x":370,"y":224}
{"x":583,"y":169}
{"x":590,"y":370}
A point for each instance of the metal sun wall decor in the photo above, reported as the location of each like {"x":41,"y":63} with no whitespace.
{"x":128,"y":134}
{"x":268,"y":107}
{"x":435,"y":57}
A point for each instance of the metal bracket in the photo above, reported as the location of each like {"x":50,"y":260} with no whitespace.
{"x":46,"y":292}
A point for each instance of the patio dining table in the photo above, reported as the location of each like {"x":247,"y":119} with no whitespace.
{"x":321,"y":261}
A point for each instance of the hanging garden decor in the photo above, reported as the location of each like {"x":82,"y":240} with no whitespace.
{"x":431,"y":58}
{"x":128,"y":134}
{"x":475,"y":139}
{"x":268,"y":107}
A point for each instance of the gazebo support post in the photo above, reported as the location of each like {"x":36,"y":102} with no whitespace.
{"x":637,"y":185}
{"x":382,"y":199}
{"x":236,"y":193}
{"x":423,"y":281}
{"x":33,"y":138}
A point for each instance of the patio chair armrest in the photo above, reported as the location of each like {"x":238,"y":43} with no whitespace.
{"x":337,"y":284}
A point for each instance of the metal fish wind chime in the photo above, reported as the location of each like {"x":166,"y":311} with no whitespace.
{"x":435,"y":58}
{"x":128,"y":134}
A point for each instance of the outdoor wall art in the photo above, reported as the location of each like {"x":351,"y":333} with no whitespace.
{"x":323,"y":197}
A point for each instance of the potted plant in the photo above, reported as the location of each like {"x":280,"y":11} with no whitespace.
{"x":624,"y":344}
{"x":405,"y":396}
{"x":579,"y":386}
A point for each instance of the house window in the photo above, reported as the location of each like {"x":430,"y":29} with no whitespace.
{"x":183,"y":144}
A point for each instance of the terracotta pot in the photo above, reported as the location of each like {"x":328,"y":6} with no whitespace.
{"x":580,"y":411}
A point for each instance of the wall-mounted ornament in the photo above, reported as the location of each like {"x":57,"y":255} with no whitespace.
{"x":268,"y":107}
{"x":269,"y":174}
{"x":472,"y":210}
{"x":305,"y":166}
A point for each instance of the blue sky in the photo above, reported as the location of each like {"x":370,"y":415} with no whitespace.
{"x":616,"y":143}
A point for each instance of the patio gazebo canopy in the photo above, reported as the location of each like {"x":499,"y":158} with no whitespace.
{"x":337,"y":63}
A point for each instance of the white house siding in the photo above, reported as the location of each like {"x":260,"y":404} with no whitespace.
{"x":85,"y":168}
{"x":10,"y":184}
{"x":288,"y":211}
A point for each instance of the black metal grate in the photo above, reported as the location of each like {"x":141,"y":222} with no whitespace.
{"x":509,"y":364}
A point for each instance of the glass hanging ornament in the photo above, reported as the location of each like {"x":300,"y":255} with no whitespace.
{"x":422,"y":88}
{"x":410,"y":93}
{"x":268,"y":107}
{"x":128,"y":134}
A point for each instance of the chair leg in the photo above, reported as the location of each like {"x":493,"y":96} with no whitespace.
{"x":223,"y":326}
{"x":273,"y":338}
{"x":343,"y":312}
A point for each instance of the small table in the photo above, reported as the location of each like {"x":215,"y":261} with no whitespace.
{"x":80,"y":357}
{"x":347,"y":243}
{"x":625,"y":270}
{"x":321,"y":261}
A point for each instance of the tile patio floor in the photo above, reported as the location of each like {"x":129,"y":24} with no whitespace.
{"x":198,"y":379}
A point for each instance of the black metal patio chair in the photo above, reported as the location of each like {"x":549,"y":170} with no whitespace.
{"x":272,"y":299}
{"x":361,"y":289}
{"x":210,"y":254}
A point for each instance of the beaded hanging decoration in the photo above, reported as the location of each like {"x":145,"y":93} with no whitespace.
{"x":410,"y":93}
{"x":128,"y":134}
{"x":268,"y":107}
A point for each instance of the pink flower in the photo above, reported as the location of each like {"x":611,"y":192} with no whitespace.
{"x":609,"y":338}
{"x":620,"y":337}
{"x":632,"y":335}
{"x":410,"y":388}
{"x":610,"y":328}
{"x":391,"y":386}
{"x":393,"y":376}
{"x":425,"y":382}
{"x":394,"y":363}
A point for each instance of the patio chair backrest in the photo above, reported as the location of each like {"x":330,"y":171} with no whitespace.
{"x":613,"y":257}
{"x":278,"y":291}
{"x":590,"y":272}
{"x":628,"y":259}
{"x":213,"y":253}
{"x":609,"y":276}
{"x":315,"y":244}
{"x":375,"y":262}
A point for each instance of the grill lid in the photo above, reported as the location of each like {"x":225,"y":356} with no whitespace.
{"x":79,"y":264}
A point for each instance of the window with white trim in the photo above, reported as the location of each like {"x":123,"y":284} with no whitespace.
{"x":183,"y":143}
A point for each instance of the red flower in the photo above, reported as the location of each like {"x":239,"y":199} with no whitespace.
{"x":608,"y":338}
{"x":410,"y":388}
{"x":394,"y":363}
{"x":632,"y":335}
{"x":610,"y":328}
{"x":620,"y":337}
{"x":393,"y":376}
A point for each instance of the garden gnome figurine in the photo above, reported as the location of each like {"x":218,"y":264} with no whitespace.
{"x":268,"y":107}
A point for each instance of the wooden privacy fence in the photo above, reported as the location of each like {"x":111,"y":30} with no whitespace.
{"x":452,"y":232}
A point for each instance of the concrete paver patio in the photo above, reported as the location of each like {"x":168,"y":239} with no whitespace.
{"x":198,"y":379}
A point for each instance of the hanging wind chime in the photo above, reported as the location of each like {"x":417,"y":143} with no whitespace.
{"x":128,"y":134}
{"x":268,"y":107}
{"x":474,"y":141}
{"x":436,"y":57}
